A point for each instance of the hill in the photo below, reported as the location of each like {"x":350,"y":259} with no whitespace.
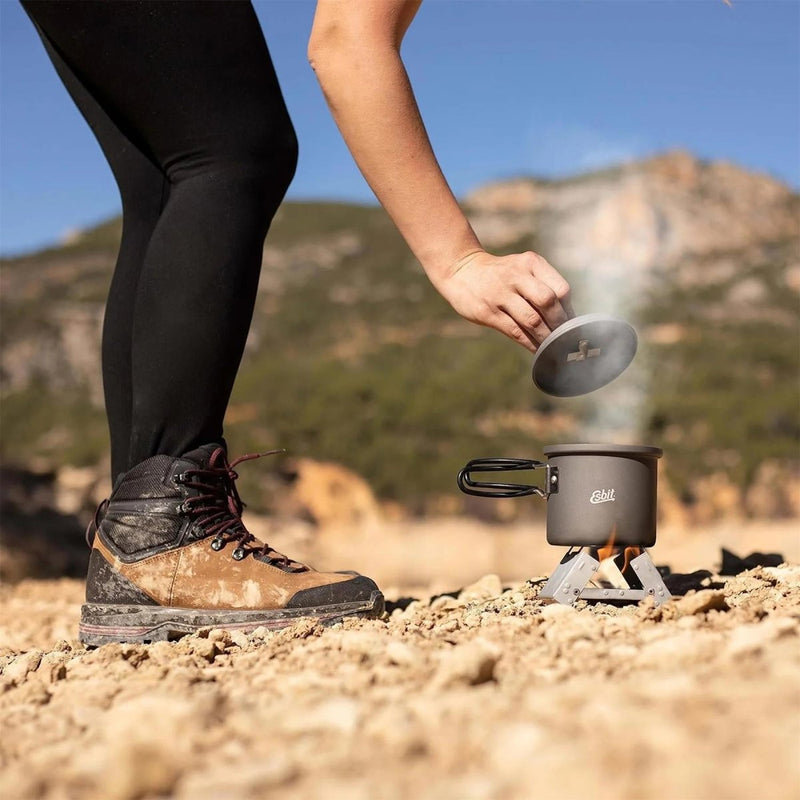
{"x":354,"y":358}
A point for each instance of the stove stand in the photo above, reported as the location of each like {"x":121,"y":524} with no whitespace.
{"x":568,"y":582}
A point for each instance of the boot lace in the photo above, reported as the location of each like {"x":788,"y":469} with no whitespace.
{"x":218,"y":509}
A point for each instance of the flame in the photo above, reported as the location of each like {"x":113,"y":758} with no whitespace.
{"x":607,"y":550}
{"x":630,"y":554}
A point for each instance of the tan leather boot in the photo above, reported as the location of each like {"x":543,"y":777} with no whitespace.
{"x":172,"y":555}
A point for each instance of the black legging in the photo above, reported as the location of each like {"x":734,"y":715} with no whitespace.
{"x":184,"y":101}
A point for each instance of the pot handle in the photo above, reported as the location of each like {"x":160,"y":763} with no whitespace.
{"x":490,"y":489}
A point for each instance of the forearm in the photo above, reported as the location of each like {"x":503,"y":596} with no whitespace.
{"x":355,"y":51}
{"x":371,"y":99}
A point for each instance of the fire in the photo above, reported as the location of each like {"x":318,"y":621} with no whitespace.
{"x":630,"y":554}
{"x":608,"y":550}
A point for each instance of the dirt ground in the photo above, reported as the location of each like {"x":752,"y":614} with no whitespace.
{"x":485,"y":692}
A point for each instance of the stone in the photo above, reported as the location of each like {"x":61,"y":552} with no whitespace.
{"x":701,"y":602}
{"x":555,"y":610}
{"x":401,"y":654}
{"x":753,"y":638}
{"x":445,"y":602}
{"x":239,"y":638}
{"x":488,"y":587}
{"x":205,"y":648}
{"x":221,"y":637}
{"x":19,"y":668}
{"x":470,"y":664}
{"x":52,"y":667}
{"x":338,"y":714}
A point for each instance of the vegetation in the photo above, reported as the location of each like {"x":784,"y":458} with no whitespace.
{"x":361,"y":362}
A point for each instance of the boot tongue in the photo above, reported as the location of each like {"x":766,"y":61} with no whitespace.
{"x":201,"y":456}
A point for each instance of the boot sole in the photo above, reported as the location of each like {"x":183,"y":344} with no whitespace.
{"x":103,"y":624}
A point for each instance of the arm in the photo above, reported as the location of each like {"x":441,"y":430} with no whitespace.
{"x":355,"y":51}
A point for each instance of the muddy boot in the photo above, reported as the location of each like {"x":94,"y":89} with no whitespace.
{"x":171,"y":555}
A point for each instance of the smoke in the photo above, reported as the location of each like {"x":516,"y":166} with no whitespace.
{"x":604,"y":234}
{"x":617,"y":412}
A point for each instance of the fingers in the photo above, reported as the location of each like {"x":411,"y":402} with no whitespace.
{"x":520,"y":295}
{"x":527,"y":318}
{"x":548,"y":291}
{"x":509,"y":326}
{"x":538,"y":294}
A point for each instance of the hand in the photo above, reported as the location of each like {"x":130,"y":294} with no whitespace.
{"x":519,"y":295}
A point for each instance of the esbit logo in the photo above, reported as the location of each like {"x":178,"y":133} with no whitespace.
{"x":603,"y":496}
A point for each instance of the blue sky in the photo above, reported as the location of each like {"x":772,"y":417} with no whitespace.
{"x":545,"y":87}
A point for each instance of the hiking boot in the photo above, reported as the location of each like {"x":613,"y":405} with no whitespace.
{"x":171,"y":554}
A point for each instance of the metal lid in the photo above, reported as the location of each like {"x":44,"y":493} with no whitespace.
{"x":640,"y":450}
{"x":584,"y":354}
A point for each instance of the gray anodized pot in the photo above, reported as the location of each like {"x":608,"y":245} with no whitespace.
{"x":603,"y":489}
{"x":593,"y":491}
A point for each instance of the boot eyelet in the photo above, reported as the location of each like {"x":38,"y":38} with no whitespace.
{"x":179,"y":479}
{"x":183,"y":508}
{"x":217,"y":544}
{"x":238,"y":554}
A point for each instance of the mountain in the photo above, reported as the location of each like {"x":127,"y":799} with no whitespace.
{"x":353,"y":357}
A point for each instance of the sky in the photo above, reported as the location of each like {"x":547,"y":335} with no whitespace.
{"x":506,"y":88}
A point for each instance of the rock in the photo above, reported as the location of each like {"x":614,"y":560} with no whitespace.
{"x":516,"y":746}
{"x":205,"y":648}
{"x":516,"y":599}
{"x":53,"y":667}
{"x":472,"y":619}
{"x":302,"y":629}
{"x":556,"y":610}
{"x":249,"y":779}
{"x":702,"y":601}
{"x":401,"y":654}
{"x":448,"y":626}
{"x":784,"y":574}
{"x":147,"y":742}
{"x":32,"y":693}
{"x":339,"y":714}
{"x":414,"y":609}
{"x":470,"y":664}
{"x":488,"y":587}
{"x":329,"y":493}
{"x":261,"y":634}
{"x":749,"y":639}
{"x":366,"y":644}
{"x":134,"y":654}
{"x":446,"y":602}
{"x":19,"y":668}
{"x":240,"y":639}
{"x":221,"y":637}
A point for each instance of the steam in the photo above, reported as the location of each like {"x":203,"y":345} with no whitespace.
{"x":616,"y":412}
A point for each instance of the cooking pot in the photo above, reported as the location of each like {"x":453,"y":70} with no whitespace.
{"x":597,"y":494}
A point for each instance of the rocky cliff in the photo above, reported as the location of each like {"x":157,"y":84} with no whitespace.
{"x":353,"y":358}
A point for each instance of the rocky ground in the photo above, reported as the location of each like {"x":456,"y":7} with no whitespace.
{"x":482,"y":693}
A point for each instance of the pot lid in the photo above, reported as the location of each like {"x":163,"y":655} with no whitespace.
{"x":583,"y":354}
{"x":641,"y":450}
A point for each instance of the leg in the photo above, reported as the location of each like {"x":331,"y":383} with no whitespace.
{"x":143,"y":190}
{"x":193,"y":86}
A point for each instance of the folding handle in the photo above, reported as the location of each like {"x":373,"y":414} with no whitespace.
{"x":469,"y":485}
